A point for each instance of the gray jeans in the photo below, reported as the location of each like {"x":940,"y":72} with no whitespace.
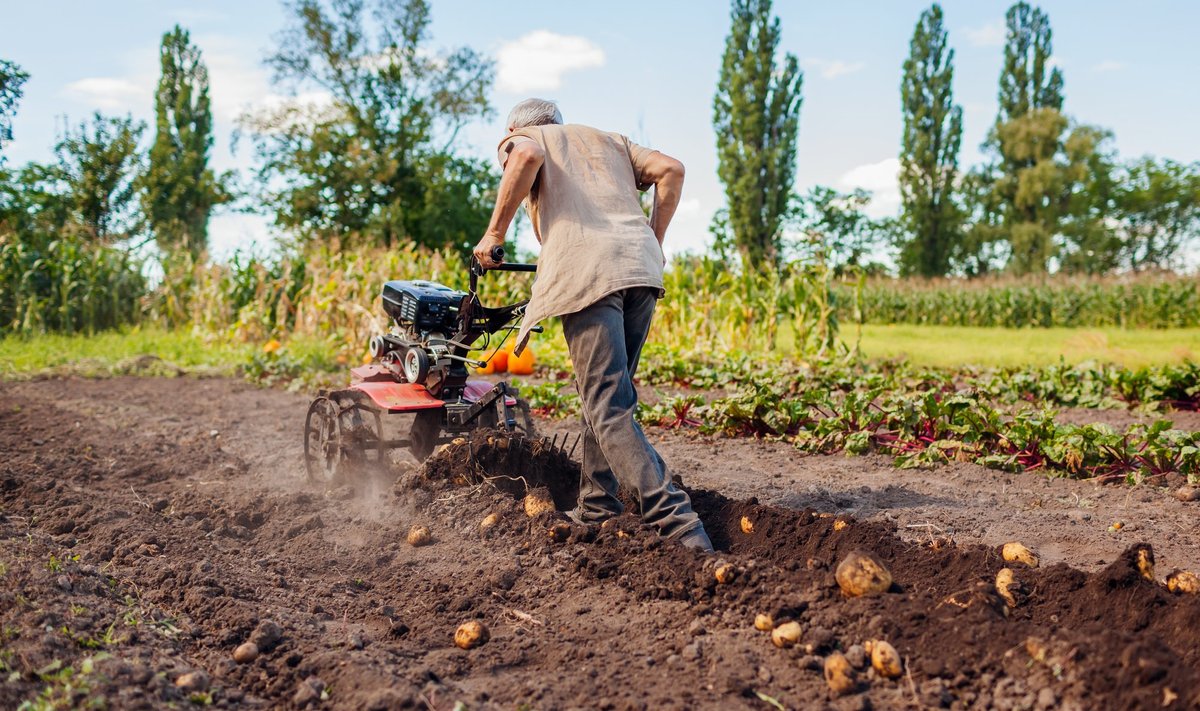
{"x":605,"y":341}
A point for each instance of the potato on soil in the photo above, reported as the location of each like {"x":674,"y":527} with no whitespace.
{"x":419,"y":536}
{"x":763,"y":622}
{"x":245,"y":653}
{"x":489,"y":521}
{"x":862,"y":574}
{"x":1181,"y":581}
{"x":1014,"y":552}
{"x":885,"y":659}
{"x":747,"y":525}
{"x":1008,"y":586}
{"x":839,"y":675}
{"x":840,"y":525}
{"x":786,"y":635}
{"x":538,"y":502}
{"x":726,"y":573}
{"x":1145,"y":563}
{"x":471,"y":634}
{"x":560,"y":532}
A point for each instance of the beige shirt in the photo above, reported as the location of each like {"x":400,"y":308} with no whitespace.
{"x":587,"y":216}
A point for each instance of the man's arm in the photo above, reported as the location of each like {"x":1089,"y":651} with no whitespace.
{"x":520,"y":170}
{"x":667,"y":175}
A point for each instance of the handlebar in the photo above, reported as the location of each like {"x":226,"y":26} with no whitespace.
{"x":478,"y":269}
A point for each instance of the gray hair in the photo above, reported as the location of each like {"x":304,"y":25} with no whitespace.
{"x":534,"y":112}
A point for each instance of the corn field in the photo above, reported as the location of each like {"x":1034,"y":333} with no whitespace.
{"x":1152,"y":301}
{"x":67,"y":285}
{"x":333,"y":294}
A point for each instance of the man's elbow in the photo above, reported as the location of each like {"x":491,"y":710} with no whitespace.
{"x":674,"y":170}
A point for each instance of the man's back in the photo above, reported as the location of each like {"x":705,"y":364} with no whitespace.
{"x":585,"y":210}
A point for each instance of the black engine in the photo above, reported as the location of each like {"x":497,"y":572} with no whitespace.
{"x":422,"y":307}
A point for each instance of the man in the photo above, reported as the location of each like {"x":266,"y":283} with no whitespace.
{"x":600,"y":270}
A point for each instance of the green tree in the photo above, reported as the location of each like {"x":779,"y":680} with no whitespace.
{"x":756,"y":114}
{"x":371,"y":157}
{"x":92,"y":188}
{"x":929,"y":151}
{"x":180,"y":189}
{"x":1157,"y":208}
{"x":1089,"y":243}
{"x":1027,"y":136}
{"x":837,"y":231}
{"x":11,"y":81}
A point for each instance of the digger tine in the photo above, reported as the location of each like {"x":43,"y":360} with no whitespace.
{"x":573,"y":446}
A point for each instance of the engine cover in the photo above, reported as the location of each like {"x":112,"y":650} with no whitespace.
{"x":422,"y":306}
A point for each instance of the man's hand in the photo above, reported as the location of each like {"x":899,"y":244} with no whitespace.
{"x":483,"y":250}
{"x":667,"y":175}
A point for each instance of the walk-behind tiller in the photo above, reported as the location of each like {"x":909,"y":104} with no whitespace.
{"x":419,"y":367}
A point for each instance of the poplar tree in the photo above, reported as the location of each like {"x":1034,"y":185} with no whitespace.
{"x":1027,"y":136}
{"x":180,"y":189}
{"x":756,"y":114}
{"x":929,"y":151}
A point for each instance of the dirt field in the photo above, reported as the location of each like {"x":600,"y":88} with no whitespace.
{"x":151,"y":526}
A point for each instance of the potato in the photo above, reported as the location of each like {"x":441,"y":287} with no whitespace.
{"x":471,"y":634}
{"x":1014,"y":552}
{"x":840,"y":525}
{"x":245,"y":653}
{"x":1145,"y":563}
{"x":885,"y":659}
{"x":839,"y":675}
{"x":1181,"y":581}
{"x":419,"y":536}
{"x":862,"y":574}
{"x":560,"y":532}
{"x":747,"y":525}
{"x":726,"y":573}
{"x":786,"y":635}
{"x":489,"y":521}
{"x":538,"y":502}
{"x":763,"y":622}
{"x":1007,"y":586}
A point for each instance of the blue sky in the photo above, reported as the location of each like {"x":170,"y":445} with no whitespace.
{"x":647,"y":69}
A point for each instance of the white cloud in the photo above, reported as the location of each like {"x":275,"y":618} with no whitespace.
{"x":831,"y":68}
{"x":539,"y":60}
{"x":236,"y":79}
{"x":1109,"y":65}
{"x":992,"y":34}
{"x":111,"y":93}
{"x":881,"y":180}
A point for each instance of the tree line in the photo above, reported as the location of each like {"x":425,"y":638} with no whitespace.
{"x":1051,"y":195}
{"x":364,"y":153}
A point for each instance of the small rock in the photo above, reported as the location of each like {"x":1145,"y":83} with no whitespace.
{"x":1046,"y":699}
{"x":857,"y":656}
{"x":193,"y":681}
{"x":214,"y":433}
{"x":696,"y":628}
{"x":693,"y":651}
{"x":63,"y":582}
{"x":356,"y":641}
{"x":308,"y":691}
{"x":266,"y":635}
{"x":245,"y":653}
{"x":765,"y":675}
{"x":673,"y":659}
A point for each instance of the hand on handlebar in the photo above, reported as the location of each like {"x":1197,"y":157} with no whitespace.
{"x":489,"y":253}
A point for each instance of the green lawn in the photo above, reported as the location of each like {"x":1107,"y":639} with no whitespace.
{"x":98,"y":354}
{"x":952,"y":346}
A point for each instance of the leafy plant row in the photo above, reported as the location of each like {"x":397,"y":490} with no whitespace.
{"x":919,"y":429}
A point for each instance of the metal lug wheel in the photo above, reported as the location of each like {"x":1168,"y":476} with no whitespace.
{"x":324,"y":448}
{"x":426,"y":428}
